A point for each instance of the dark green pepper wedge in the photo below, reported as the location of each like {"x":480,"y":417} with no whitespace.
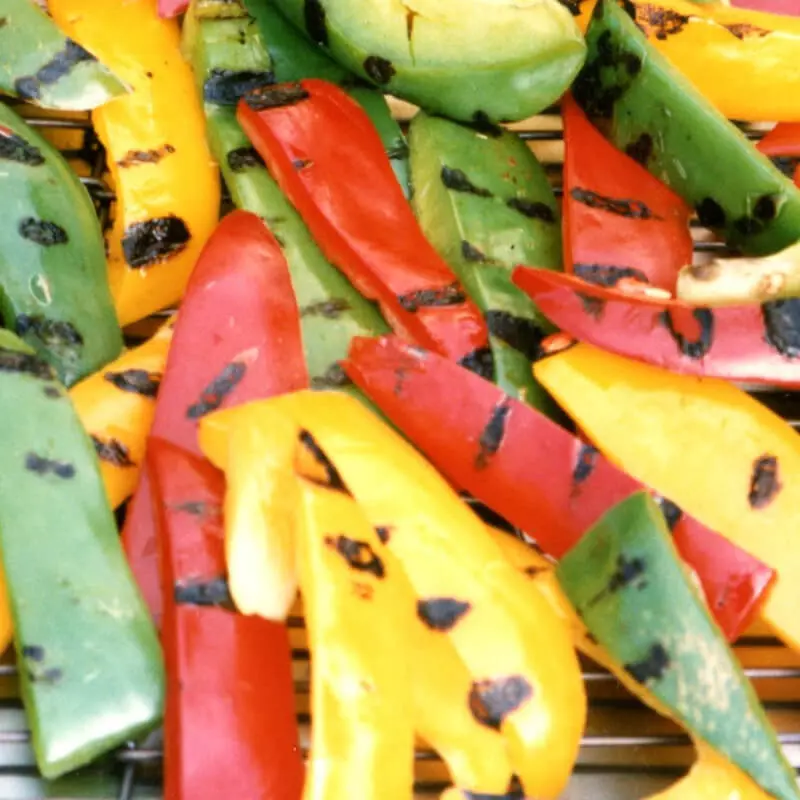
{"x":649,"y":110}
{"x":484,"y":202}
{"x":53,"y":283}
{"x":626,"y":581}
{"x":43,"y":66}
{"x":91,"y":673}
{"x":332,"y":311}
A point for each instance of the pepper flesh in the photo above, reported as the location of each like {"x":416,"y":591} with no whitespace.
{"x":172,"y":8}
{"x":782,"y":145}
{"x":330,"y":163}
{"x":747,"y":343}
{"x":165,"y":181}
{"x":487,"y":443}
{"x":230,"y":725}
{"x":722,"y":456}
{"x":620,"y":223}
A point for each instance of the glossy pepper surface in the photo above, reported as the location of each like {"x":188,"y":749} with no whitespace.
{"x":172,"y":8}
{"x":621,"y":224}
{"x":723,"y":456}
{"x":782,"y":145}
{"x":75,"y":607}
{"x":116,"y":407}
{"x":748,"y":343}
{"x":327,"y":158}
{"x":649,"y":110}
{"x":166,"y":185}
{"x":55,"y":292}
{"x":483,"y":441}
{"x":230,"y":726}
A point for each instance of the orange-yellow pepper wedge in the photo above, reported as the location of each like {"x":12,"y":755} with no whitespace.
{"x":715,"y":451}
{"x":747,"y":63}
{"x":116,"y":407}
{"x":167,"y":185}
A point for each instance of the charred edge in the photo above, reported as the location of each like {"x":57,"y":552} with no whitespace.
{"x":33,"y":652}
{"x":479,"y":361}
{"x":329,"y":309}
{"x":532,"y":572}
{"x":593,"y":306}
{"x":359,"y":555}
{"x":384,"y":533}
{"x":112,"y":452}
{"x":710,"y":213}
{"x":333,"y":480}
{"x":492,"y":700}
{"x":51,"y":332}
{"x":442,"y":613}
{"x":243,"y":158}
{"x":44,"y":466}
{"x":314,"y":21}
{"x":333,"y":378}
{"x":25,"y":364}
{"x":532,"y":209}
{"x":671,"y":512}
{"x":226,"y":87}
{"x":154,"y":241}
{"x":137,"y":381}
{"x":14,"y":148}
{"x":214,"y":592}
{"x":764,"y":482}
{"x":215,"y":393}
{"x":42,"y":232}
{"x":134,"y":157}
{"x":782,"y":326}
{"x":659,"y":22}
{"x":471,"y":253}
{"x":697,"y":348}
{"x":450,"y":295}
{"x":378,"y":69}
{"x":519,"y":333}
{"x":587,"y":461}
{"x":266,"y":97}
{"x":606,"y":274}
{"x":457,"y":181}
{"x":652,"y":667}
{"x":628,"y":571}
{"x":640,"y":149}
{"x":786,"y":164}
{"x":493,"y":433}
{"x":199,"y":508}
{"x":745,"y":30}
{"x":631,"y":209}
{"x":29,"y":87}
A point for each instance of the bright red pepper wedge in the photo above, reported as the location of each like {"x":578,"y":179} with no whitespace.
{"x":531,"y":471}
{"x":328,"y":159}
{"x":749,"y":344}
{"x":172,"y":8}
{"x":237,"y":339}
{"x":620,"y":223}
{"x":230,"y":726}
{"x":782,"y":144}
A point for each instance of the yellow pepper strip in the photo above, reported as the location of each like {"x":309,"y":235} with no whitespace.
{"x":708,"y":446}
{"x":166,"y":182}
{"x":116,"y":406}
{"x":747,"y":63}
{"x":359,"y":611}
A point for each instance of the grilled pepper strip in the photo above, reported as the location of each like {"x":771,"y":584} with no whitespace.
{"x":230,"y":726}
{"x":649,"y":110}
{"x":54,"y":291}
{"x":83,"y":637}
{"x":166,"y":184}
{"x":749,"y":343}
{"x":237,"y":339}
{"x":620,"y":223}
{"x":327,"y":158}
{"x":782,"y":145}
{"x":735,"y":476}
{"x":172,"y":8}
{"x":484,"y":202}
{"x":116,"y":408}
{"x":625,"y":574}
{"x":493,"y":446}
{"x":41,"y":65}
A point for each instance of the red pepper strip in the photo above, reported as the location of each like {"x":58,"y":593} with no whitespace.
{"x":237,"y":339}
{"x":782,"y":144}
{"x":328,"y":159}
{"x":749,"y":344}
{"x":531,"y":471}
{"x":172,"y":8}
{"x":230,"y":727}
{"x":620,"y":223}
{"x":789,"y":8}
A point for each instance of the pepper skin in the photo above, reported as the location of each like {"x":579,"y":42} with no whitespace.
{"x":116,"y":408}
{"x":42,"y":66}
{"x":620,"y":223}
{"x":237,"y":339}
{"x":330,"y":163}
{"x":722,"y":456}
{"x":166,"y":183}
{"x":782,"y":145}
{"x":652,"y":112}
{"x":491,"y":446}
{"x":91,"y":676}
{"x":172,"y":8}
{"x":749,"y":343}
{"x":230,"y":726}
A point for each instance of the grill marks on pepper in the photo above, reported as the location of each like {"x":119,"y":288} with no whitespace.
{"x":652,"y":667}
{"x":660,"y":22}
{"x":135,"y":157}
{"x":442,"y":613}
{"x":212,"y":592}
{"x":532,"y":209}
{"x":522,"y":334}
{"x":243,"y":158}
{"x":480,"y":361}
{"x":42,"y":232}
{"x":154,"y":241}
{"x":585,"y":463}
{"x":745,"y":30}
{"x":225,"y":87}
{"x":332,"y":378}
{"x":471,"y":253}
{"x":48,"y":466}
{"x":137,"y":381}
{"x":359,"y":555}
{"x":266,"y":97}
{"x":629,"y":572}
{"x":220,"y":387}
{"x":53,"y":333}
{"x":333,"y":479}
{"x":782,"y":326}
{"x":457,"y":181}
{"x":29,"y":87}
{"x":693,"y":348}
{"x":625,"y":207}
{"x":113,"y":452}
{"x":607,"y":275}
{"x":672,"y":512}
{"x":492,"y":700}
{"x":765,"y":483}
{"x":493,"y":433}
{"x":25,"y":364}
{"x":450,"y":295}
{"x":379,"y":69}
{"x":14,"y":148}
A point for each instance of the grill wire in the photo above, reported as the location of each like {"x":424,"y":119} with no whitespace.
{"x":627,"y":752}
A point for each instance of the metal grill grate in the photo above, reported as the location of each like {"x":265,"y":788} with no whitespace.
{"x":627,"y":752}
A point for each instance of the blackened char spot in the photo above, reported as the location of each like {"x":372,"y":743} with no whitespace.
{"x":593,"y":306}
{"x":243,"y":158}
{"x":213,"y":592}
{"x":654,"y":20}
{"x":52,"y":393}
{"x":155,"y":240}
{"x":384,"y":532}
{"x":266,"y":97}
{"x":134,"y":157}
{"x":492,"y":434}
{"x":379,"y":69}
{"x":710,"y":213}
{"x":623,"y":207}
{"x":329,"y":309}
{"x":471,"y":253}
{"x":652,"y":667}
{"x":764,"y":481}
{"x":29,"y":87}
{"x":14,"y":148}
{"x":672,"y":513}
{"x":226,"y":87}
{"x":482,"y":124}
{"x":25,"y":364}
{"x":112,"y":452}
{"x":745,"y":30}
{"x":137,"y":381}
{"x":748,"y":226}
{"x":479,"y":361}
{"x":215,"y":393}
{"x":457,"y":181}
{"x":49,"y":675}
{"x":693,"y":348}
{"x":42,"y":232}
{"x":782,"y":326}
{"x":765,"y":208}
{"x":332,"y":378}
{"x":585,"y":464}
{"x":533,"y":209}
{"x":359,"y":555}
{"x":607,"y":275}
{"x":488,"y":515}
{"x":314,"y":20}
{"x":524,"y":335}
{"x":640,"y":149}
{"x":492,"y":700}
{"x":442,"y":613}
{"x":628,"y":571}
{"x":44,"y":466}
{"x":301,"y":163}
{"x":333,"y":480}
{"x":450,"y":295}
{"x":53,"y":333}
{"x":34,"y":652}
